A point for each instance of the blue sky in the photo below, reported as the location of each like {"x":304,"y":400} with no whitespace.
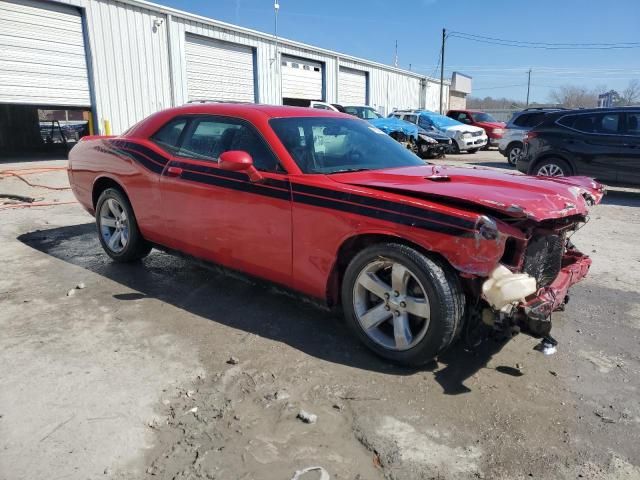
{"x":370,"y":28}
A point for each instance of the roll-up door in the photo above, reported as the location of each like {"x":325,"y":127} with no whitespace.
{"x":219,"y":70}
{"x":42,"y":55}
{"x":301,"y":80}
{"x":352,"y":86}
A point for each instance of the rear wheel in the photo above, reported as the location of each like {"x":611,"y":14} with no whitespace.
{"x":402,"y":305}
{"x":513,"y":152}
{"x":118,"y":228}
{"x":552,"y":167}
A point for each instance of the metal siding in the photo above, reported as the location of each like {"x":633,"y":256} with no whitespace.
{"x":352,"y":86}
{"x":43,"y":60}
{"x":219,"y":70}
{"x":150,"y":52}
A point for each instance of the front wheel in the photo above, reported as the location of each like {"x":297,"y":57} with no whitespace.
{"x":552,"y":167}
{"x":118,"y":228}
{"x":401,"y":304}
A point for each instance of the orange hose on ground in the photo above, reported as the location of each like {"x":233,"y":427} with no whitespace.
{"x":12,"y":173}
{"x":39,"y":204}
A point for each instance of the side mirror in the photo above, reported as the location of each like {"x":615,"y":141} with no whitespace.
{"x":239,"y":161}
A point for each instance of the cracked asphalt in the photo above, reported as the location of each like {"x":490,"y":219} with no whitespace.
{"x":130,"y":376}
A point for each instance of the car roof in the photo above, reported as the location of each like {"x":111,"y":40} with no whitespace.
{"x":248,"y":111}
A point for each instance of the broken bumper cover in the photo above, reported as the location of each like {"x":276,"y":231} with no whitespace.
{"x":535,"y":313}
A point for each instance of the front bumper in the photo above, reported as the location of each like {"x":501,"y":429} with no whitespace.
{"x":532,"y":315}
{"x":471,"y":143}
{"x":575,"y":266}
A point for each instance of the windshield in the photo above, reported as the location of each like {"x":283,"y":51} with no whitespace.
{"x":332,"y":145}
{"x":483,"y":117}
{"x":366,"y":113}
{"x":442,"y":121}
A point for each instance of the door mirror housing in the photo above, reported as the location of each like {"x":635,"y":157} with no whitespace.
{"x":239,"y":161}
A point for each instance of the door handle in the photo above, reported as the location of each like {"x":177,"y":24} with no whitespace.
{"x":174,"y":172}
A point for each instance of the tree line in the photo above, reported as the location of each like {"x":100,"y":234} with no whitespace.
{"x":569,"y":96}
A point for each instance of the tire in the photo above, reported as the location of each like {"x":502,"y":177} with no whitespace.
{"x":512,"y":153}
{"x":552,"y":167}
{"x":118,"y":229}
{"x":430,"y":331}
{"x":455,"y":148}
{"x":473,"y":150}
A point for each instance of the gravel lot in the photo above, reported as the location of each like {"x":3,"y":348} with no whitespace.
{"x":166,"y":369}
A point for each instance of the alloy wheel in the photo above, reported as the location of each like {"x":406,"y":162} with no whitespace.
{"x":550,"y":170}
{"x":114,"y":225}
{"x":391,"y":305}
{"x":514,"y":153}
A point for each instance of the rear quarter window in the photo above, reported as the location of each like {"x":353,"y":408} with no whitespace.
{"x":529,"y":119}
{"x":168,"y":137}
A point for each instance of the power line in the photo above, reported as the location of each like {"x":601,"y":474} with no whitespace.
{"x":500,"y":86}
{"x":543,"y":45}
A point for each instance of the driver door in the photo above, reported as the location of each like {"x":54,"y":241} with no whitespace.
{"x":222,"y":216}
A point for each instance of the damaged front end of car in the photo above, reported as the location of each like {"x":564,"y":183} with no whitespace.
{"x":532,"y":280}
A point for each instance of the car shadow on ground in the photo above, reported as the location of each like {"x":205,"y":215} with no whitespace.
{"x":622,"y":198}
{"x":245,"y":304}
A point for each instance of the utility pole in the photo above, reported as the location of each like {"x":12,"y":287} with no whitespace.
{"x":395,"y":60}
{"x":444,"y":36}
{"x":528,"y":87}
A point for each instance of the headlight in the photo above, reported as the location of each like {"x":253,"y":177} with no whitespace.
{"x":487,"y":228}
{"x":466,"y":135}
{"x":427,"y":139}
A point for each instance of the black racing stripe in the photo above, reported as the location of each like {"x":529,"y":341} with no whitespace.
{"x":401,"y":208}
{"x":229,"y":174}
{"x":379,"y":214}
{"x":248,"y":187}
{"x":326,"y":198}
{"x":152,"y":154}
{"x":148,"y":164}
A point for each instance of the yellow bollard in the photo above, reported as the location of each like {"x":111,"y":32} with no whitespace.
{"x":90,"y":123}
{"x":107,"y":127}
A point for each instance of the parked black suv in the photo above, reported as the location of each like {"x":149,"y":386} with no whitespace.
{"x":602,"y":143}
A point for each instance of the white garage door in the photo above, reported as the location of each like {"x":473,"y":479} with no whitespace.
{"x":301,"y":79}
{"x":219,"y":70}
{"x":352,"y":86}
{"x":42,"y":54}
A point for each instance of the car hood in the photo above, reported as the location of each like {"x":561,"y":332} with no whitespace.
{"x":490,"y":124}
{"x":453,"y":129}
{"x":391,"y":124}
{"x":513,"y":194}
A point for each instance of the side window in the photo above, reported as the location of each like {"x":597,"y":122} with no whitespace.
{"x":351,"y":111}
{"x":605,"y":124}
{"x":463,"y":117}
{"x":608,"y":124}
{"x":168,"y":137}
{"x":528,"y":120}
{"x":633,"y":123}
{"x":207,"y":139}
{"x":411,"y":118}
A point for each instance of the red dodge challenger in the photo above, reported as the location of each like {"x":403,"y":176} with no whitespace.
{"x":327,"y":205}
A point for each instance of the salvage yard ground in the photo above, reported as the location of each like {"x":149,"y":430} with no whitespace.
{"x":125,"y":371}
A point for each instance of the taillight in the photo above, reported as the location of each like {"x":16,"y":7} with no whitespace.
{"x":529,"y":135}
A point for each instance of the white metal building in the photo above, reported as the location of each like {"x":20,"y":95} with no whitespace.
{"x":125,"y":59}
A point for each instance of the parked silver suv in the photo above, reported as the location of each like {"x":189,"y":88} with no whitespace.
{"x":521,"y":122}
